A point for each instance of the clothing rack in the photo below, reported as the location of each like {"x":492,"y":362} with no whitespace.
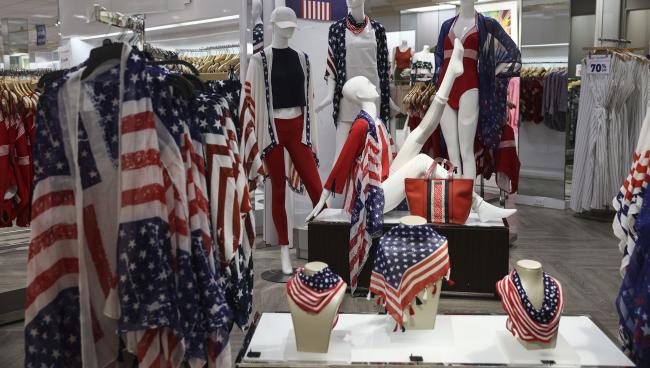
{"x":618,"y":41}
{"x":222,"y":47}
{"x":544,"y":62}
{"x":133,"y":23}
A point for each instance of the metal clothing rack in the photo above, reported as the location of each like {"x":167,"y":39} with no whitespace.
{"x":133,"y":23}
{"x":222,"y":47}
{"x":618,"y":41}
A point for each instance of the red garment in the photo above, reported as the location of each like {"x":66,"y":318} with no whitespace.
{"x":530,"y":99}
{"x":469,"y":79}
{"x":507,"y":161}
{"x":7,"y":178}
{"x":289,"y":135}
{"x":403,"y":59}
{"x":353,"y":148}
{"x":23,"y":171}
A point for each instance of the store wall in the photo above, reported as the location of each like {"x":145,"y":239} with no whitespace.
{"x":428,"y":26}
{"x":638,"y":29}
{"x":582,"y":35}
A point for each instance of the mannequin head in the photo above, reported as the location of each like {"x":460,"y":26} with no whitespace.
{"x":284,"y":25}
{"x":256,"y":11}
{"x":403,"y":42}
{"x":464,"y":3}
{"x":354,"y":4}
{"x":426,"y":48}
{"x":359,"y":90}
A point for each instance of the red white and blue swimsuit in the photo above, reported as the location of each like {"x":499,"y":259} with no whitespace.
{"x":469,"y":79}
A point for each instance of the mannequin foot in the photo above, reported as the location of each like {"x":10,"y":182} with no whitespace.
{"x":455,"y":67}
{"x":487,"y":212}
{"x":286,"y":260}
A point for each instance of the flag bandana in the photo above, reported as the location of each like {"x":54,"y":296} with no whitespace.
{"x":524,"y":321}
{"x":365,"y":197}
{"x":409,"y":259}
{"x":315,"y":292}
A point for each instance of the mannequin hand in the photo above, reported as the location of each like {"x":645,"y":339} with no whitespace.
{"x":319,"y":206}
{"x":500,"y":68}
{"x":326,"y":102}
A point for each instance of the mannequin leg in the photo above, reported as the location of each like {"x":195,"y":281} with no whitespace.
{"x":450,"y":130}
{"x":416,"y":168}
{"x":467,"y":123}
{"x":275,"y":162}
{"x":342,"y":130}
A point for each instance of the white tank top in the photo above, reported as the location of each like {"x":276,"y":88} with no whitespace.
{"x":360,"y":60}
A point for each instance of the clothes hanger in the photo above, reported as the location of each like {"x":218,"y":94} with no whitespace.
{"x":99,"y":55}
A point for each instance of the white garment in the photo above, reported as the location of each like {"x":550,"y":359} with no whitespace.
{"x":360,"y":60}
{"x":423,"y":74}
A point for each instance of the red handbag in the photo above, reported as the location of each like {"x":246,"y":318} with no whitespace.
{"x":440,"y":201}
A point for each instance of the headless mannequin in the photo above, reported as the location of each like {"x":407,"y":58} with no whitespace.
{"x":356,"y":8}
{"x":531,"y":275}
{"x":425,"y":313}
{"x":459,"y":126}
{"x":403,"y":46}
{"x":409,"y":163}
{"x":426,"y":49}
{"x":313,"y":331}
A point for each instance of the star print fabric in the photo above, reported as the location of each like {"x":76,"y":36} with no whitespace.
{"x":123,"y":250}
{"x":633,"y":301}
{"x":409,"y":259}
{"x":336,"y":65}
{"x":524,"y":321}
{"x":315,"y":292}
{"x":258,"y":38}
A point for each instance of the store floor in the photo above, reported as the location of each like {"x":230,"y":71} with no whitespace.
{"x":582,"y":254}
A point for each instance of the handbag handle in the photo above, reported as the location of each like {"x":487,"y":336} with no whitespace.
{"x":431,"y":172}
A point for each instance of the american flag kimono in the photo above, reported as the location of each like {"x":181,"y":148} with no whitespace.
{"x":113,"y":246}
{"x":365,"y":197}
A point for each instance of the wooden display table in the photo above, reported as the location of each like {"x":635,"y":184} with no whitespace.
{"x":479,"y":252}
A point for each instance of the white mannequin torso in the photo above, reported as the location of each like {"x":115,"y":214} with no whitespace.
{"x":313,"y":331}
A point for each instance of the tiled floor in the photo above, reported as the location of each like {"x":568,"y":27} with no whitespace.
{"x":582,"y":254}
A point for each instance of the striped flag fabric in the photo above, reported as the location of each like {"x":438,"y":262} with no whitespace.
{"x":409,"y":260}
{"x":321,"y":10}
{"x":524,"y":321}
{"x":313,"y":293}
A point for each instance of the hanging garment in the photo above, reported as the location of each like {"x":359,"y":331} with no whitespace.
{"x":423,"y":67}
{"x":632,"y":302}
{"x":258,"y":38}
{"x":532,"y":90}
{"x":337,"y":62}
{"x":513,"y":103}
{"x":554,"y":99}
{"x":403,"y":58}
{"x":144,"y":266}
{"x":607,"y":130}
{"x":313,"y":293}
{"x":409,"y":259}
{"x":524,"y":321}
{"x":495,"y":47}
{"x":507,"y":162}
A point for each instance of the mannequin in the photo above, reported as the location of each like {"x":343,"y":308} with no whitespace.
{"x":409,"y":163}
{"x":461,"y":117}
{"x":531,"y":275}
{"x":279,"y":103}
{"x":366,"y":54}
{"x":425,"y":313}
{"x":423,"y":65}
{"x":258,"y":28}
{"x":312,"y":330}
{"x":401,"y":59}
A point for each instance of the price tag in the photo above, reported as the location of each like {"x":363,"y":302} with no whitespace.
{"x":599,"y":64}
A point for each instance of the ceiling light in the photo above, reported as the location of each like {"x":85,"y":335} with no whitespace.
{"x":168,"y":26}
{"x":42,"y":16}
{"x":429,"y":8}
{"x":192,"y":23}
{"x":79,"y":16}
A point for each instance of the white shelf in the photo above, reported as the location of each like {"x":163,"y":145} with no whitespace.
{"x":457,"y":339}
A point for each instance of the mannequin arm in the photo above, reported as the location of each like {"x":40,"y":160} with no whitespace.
{"x":329,"y":97}
{"x":415,"y":141}
{"x":319,"y":206}
{"x":394,"y":107}
{"x":500,"y":68}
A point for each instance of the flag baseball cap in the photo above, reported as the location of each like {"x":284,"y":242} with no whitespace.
{"x":284,"y":17}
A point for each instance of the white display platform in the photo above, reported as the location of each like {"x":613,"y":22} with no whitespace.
{"x":359,"y":339}
{"x":393,"y":217}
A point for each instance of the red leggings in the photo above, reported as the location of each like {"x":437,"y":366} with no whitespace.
{"x":289,"y":137}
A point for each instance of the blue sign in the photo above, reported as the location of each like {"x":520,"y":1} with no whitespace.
{"x":41,"y":35}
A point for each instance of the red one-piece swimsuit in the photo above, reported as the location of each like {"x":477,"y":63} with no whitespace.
{"x":469,"y":79}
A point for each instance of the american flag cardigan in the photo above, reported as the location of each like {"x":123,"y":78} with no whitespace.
{"x":409,"y":260}
{"x":113,"y":165}
{"x":257,"y":116}
{"x":524,"y":321}
{"x":364,"y":198}
{"x":336,"y":65}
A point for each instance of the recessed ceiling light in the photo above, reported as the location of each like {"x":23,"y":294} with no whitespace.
{"x":47,"y":16}
{"x":79,"y":16}
{"x":429,"y":9}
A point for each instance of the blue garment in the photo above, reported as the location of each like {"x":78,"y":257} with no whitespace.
{"x":495,"y":47}
{"x":633,"y":301}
